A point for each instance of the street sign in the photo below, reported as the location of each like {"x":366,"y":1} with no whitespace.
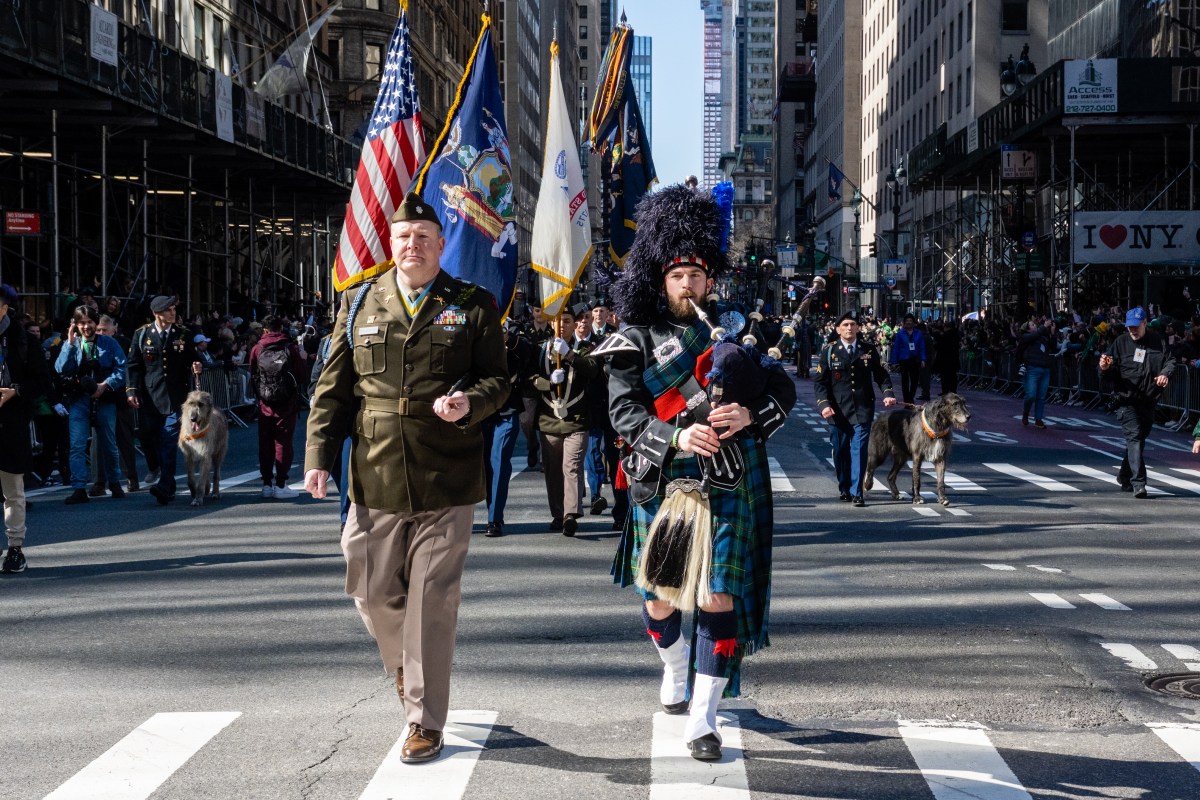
{"x":1027,"y":261}
{"x":787,"y":255}
{"x":872,"y":284}
{"x":889,"y":281}
{"x":897,"y":268}
{"x":1017,"y":164}
{"x":1028,"y":240}
{"x":22,"y":223}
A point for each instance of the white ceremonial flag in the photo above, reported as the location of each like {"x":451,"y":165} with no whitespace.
{"x":562,"y":231}
{"x":287,"y":74}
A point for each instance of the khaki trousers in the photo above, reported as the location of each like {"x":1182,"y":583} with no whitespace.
{"x":13,"y":487}
{"x":404,"y":572}
{"x":562,"y":461}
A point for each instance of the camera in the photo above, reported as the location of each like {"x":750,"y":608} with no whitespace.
{"x":87,"y":385}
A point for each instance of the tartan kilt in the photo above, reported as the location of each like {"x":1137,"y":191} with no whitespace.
{"x":741,"y":563}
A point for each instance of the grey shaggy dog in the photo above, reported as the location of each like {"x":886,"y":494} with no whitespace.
{"x":203,"y":439}
{"x":922,"y":434}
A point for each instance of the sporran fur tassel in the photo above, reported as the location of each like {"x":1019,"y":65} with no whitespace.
{"x":676,"y":559}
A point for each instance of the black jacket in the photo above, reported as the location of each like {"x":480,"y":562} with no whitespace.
{"x":845,"y":383}
{"x":159,"y":368}
{"x":24,"y":368}
{"x":1130,"y":379}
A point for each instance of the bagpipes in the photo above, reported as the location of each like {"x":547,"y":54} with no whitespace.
{"x":677,"y":555}
{"x":789,"y":327}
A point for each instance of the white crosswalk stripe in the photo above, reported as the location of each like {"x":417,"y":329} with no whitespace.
{"x":675,"y":775}
{"x":1184,"y":652}
{"x":1130,"y":655}
{"x":447,"y":777}
{"x":1106,"y":602}
{"x":959,"y":762}
{"x":1171,"y":480}
{"x":138,"y":764}
{"x":1183,"y":738}
{"x":1049,"y":484}
{"x":1100,"y":475}
{"x":779,"y":478}
{"x":1052,"y":600}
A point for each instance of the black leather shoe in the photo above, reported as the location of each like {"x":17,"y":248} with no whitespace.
{"x":676,"y":708}
{"x":858,"y":501}
{"x":97,"y":490}
{"x":117,"y":491}
{"x":570,"y":525}
{"x":494,"y":530}
{"x":556,"y":526}
{"x":598,"y":505}
{"x":1141,"y":494}
{"x":161,"y":496}
{"x":844,"y":497}
{"x":706,"y":748}
{"x":77,"y":496}
{"x":1126,"y":487}
{"x":618,"y":525}
{"x":421,"y":745}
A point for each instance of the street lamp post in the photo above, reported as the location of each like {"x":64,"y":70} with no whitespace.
{"x":855,"y":202}
{"x":894,"y":178}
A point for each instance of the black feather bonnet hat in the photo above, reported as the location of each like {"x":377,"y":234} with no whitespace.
{"x":676,"y":225}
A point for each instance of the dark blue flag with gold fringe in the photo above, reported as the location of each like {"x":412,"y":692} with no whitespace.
{"x":617,"y":133}
{"x":468,"y":179}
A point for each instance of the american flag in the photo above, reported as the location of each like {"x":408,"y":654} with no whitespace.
{"x":392,"y":152}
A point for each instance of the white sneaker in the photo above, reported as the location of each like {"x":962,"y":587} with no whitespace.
{"x":268,"y":492}
{"x":285,"y":493}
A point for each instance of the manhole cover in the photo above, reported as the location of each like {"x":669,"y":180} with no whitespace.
{"x":1182,"y":684}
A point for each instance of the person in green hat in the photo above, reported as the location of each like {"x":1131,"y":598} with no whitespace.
{"x":416,"y":364}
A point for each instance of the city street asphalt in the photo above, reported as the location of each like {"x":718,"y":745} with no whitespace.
{"x":996,"y":648}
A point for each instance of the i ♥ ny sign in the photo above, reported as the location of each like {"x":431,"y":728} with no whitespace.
{"x":1136,"y":237}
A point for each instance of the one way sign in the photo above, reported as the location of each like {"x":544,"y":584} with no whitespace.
{"x":1017,"y":164}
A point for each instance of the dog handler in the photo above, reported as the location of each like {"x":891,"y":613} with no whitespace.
{"x":846,"y":398}
{"x":416,"y":462}
{"x":657,"y":404}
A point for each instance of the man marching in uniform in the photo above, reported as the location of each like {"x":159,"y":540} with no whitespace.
{"x":162,"y":361}
{"x":661,"y":403}
{"x":417,"y":363}
{"x":846,"y":398}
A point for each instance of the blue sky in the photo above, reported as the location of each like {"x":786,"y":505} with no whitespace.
{"x":678,"y":30}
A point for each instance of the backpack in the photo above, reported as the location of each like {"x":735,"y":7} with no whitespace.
{"x":274,"y":382}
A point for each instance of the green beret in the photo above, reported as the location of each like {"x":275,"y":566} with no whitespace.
{"x":414,"y":209}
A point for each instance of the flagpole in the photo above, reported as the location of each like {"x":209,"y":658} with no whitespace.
{"x":854,"y":186}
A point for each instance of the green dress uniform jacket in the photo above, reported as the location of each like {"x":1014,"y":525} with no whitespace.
{"x":380,"y":392}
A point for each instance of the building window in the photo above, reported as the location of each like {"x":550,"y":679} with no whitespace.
{"x":373,"y":61}
{"x":1014,"y":16}
{"x":583,"y":33}
{"x":374,"y":5}
{"x":583,"y":54}
{"x":582,"y":12}
{"x":967,"y":100}
{"x":583,"y":73}
{"x":335,"y":56}
{"x":970,"y":20}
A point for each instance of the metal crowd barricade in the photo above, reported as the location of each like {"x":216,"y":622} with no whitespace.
{"x":228,"y":390}
{"x":1177,"y":396}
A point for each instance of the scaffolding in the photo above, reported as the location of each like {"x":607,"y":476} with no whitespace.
{"x":139,"y":186}
{"x":1005,"y":244}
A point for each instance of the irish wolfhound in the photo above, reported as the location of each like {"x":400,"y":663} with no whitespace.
{"x":203,"y":438}
{"x":922,"y":434}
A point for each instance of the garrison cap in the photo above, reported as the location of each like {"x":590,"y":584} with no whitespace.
{"x":414,"y":209}
{"x":160,"y":304}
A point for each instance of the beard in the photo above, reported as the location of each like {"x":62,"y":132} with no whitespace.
{"x":681,"y":309}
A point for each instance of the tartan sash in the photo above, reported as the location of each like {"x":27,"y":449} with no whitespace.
{"x":693,"y":360}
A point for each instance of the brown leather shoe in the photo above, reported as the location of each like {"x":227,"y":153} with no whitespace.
{"x":400,"y":683}
{"x":421,"y":745}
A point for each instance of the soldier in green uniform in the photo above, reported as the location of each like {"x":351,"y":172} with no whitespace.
{"x":417,"y":363}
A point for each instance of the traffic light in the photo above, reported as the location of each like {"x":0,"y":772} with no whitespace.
{"x":872,"y":249}
{"x":753,"y":259}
